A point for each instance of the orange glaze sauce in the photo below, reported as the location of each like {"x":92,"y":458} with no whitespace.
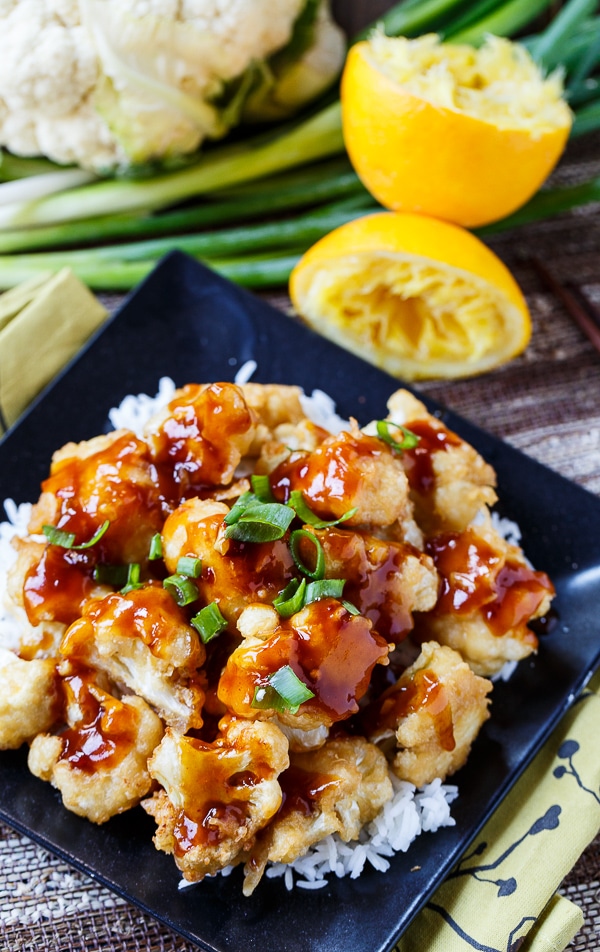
{"x":106,"y":731}
{"x":474,"y":578}
{"x":256,"y":571}
{"x":57,"y":587}
{"x":329,"y":477}
{"x":215,"y":794}
{"x":370,"y":566}
{"x":148,"y":613}
{"x":418,"y":461}
{"x":301,"y":790}
{"x":118,"y":483}
{"x":423,"y":691}
{"x":332,"y":651}
{"x":193,"y":444}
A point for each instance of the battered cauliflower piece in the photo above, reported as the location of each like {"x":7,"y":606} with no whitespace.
{"x":199,"y":438}
{"x":330,"y":650}
{"x":99,"y":762}
{"x":48,"y":587}
{"x":386,"y":581}
{"x":109,"y":477}
{"x":234,"y":574}
{"x":216,"y":796}
{"x":488,"y":597}
{"x":432,"y":714}
{"x":29,"y":699}
{"x":336,"y":789}
{"x":351,"y":470}
{"x":143,"y":640}
{"x":449,"y":481}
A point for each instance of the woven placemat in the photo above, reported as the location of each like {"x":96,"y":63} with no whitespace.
{"x":545,"y":403}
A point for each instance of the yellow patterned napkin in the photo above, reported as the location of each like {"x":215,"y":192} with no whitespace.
{"x":43,"y":323}
{"x":502,"y":894}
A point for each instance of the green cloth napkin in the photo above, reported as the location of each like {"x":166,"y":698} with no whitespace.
{"x":502,"y":894}
{"x":43,"y":324}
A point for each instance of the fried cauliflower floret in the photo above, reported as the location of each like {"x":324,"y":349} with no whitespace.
{"x":328,"y":648}
{"x":99,"y":763}
{"x":386,"y":581}
{"x":336,"y":789}
{"x":433,"y":713}
{"x":201,"y":435}
{"x":142,"y":640}
{"x":108,"y":478}
{"x":489,"y":595}
{"x":29,"y":699}
{"x":349,"y":471}
{"x":216,"y":796}
{"x":48,"y":586}
{"x":449,"y":481}
{"x":233,"y":574}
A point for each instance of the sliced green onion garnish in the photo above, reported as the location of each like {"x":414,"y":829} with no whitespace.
{"x":261,"y":523}
{"x":350,"y":607}
{"x":115,"y":575}
{"x":296,"y":541}
{"x":296,"y":501}
{"x":409,"y":439}
{"x":324,"y":588}
{"x":291,"y":599}
{"x":262,"y":488}
{"x":245,"y":500}
{"x":209,"y":622}
{"x":190,"y":566}
{"x":156,"y":549}
{"x":182,"y":589}
{"x":66,"y":540}
{"x":133,"y":578}
{"x":284,"y":691}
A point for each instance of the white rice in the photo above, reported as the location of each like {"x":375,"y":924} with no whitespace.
{"x":410,"y":811}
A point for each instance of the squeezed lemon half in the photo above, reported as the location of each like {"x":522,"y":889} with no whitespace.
{"x":418,"y":297}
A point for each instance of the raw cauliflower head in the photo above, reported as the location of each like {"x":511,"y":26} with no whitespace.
{"x":103,"y":83}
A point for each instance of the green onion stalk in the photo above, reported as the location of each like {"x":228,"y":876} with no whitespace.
{"x":250,"y":209}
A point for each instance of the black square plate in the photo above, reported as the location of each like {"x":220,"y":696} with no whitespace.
{"x":190,"y":324}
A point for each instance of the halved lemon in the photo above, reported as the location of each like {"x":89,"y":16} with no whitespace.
{"x":447,"y":130}
{"x":419,"y":297}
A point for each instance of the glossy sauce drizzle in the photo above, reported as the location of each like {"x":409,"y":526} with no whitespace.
{"x":302,"y":790}
{"x":475,"y":577}
{"x":332,"y":651}
{"x":215,"y":796}
{"x":194,"y":442}
{"x":418,"y":462}
{"x":106,"y":731}
{"x":422,"y":692}
{"x":56,"y":587}
{"x":370,"y":567}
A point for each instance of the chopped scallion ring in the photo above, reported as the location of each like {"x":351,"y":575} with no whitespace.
{"x":283,"y":692}
{"x":66,"y":540}
{"x":181,"y":588}
{"x":409,"y":439}
{"x":264,"y":522}
{"x":244,"y":501}
{"x":296,"y":501}
{"x":156,"y":549}
{"x":296,"y":541}
{"x":291,"y":599}
{"x":190,"y":566}
{"x":115,"y":575}
{"x":209,"y":622}
{"x":324,"y":588}
{"x":133,"y":578}
{"x":262,"y":488}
